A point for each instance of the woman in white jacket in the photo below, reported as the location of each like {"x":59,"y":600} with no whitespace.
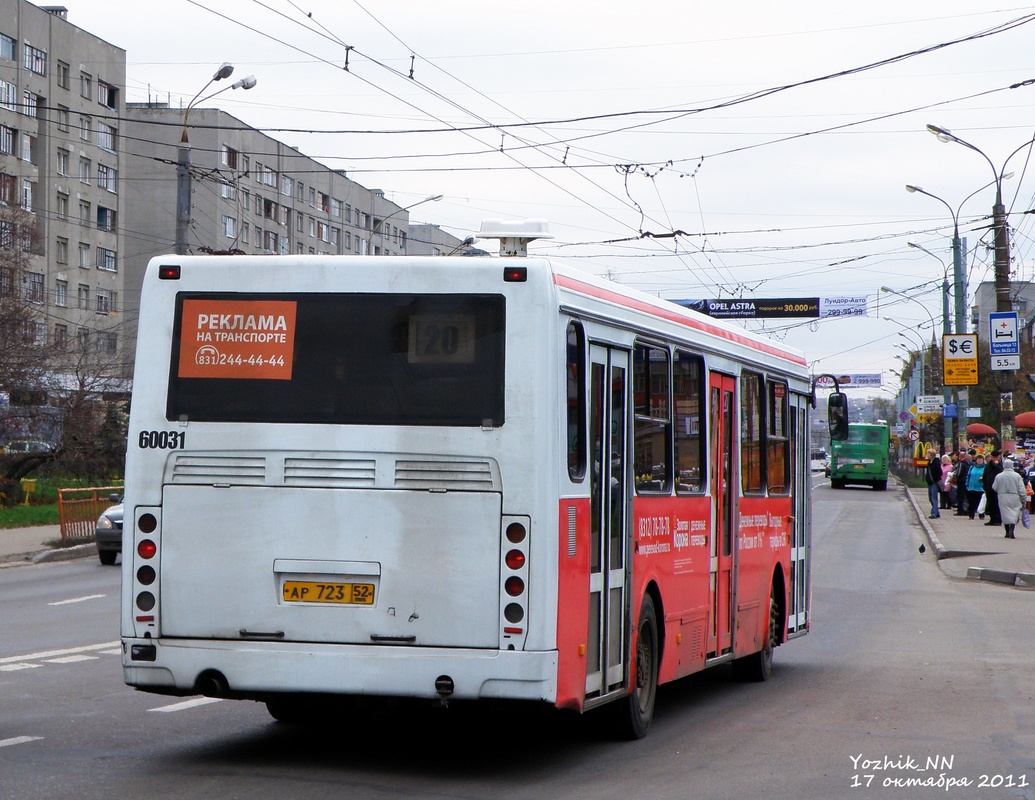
{"x":1009,"y":485}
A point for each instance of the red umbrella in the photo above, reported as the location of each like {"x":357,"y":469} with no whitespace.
{"x":1025,"y":420}
{"x":981,"y":429}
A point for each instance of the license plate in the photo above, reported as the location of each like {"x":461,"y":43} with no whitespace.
{"x":361,"y":594}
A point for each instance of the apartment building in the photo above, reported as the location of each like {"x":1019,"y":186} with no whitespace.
{"x":251,"y":194}
{"x":61,"y":98}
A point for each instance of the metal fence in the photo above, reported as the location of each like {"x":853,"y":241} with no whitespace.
{"x":78,"y":510}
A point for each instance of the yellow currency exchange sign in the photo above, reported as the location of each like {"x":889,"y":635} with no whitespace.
{"x":959,"y":359}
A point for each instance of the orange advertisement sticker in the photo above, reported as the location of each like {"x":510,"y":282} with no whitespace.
{"x":237,"y":339}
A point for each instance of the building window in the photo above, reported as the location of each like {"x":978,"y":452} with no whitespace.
{"x":35,"y":60}
{"x":62,"y":119}
{"x":62,"y":162}
{"x":83,"y":296}
{"x":61,"y":293}
{"x":27,"y":198}
{"x":8,"y":191}
{"x":34,"y":287}
{"x":269,"y":242}
{"x":64,"y":79}
{"x":107,"y":177}
{"x":84,"y":257}
{"x":107,"y":342}
{"x":105,"y":219}
{"x":7,"y":139}
{"x":106,"y":259}
{"x":60,"y":336}
{"x":228,"y":190}
{"x":85,"y":171}
{"x":245,"y":233}
{"x":7,"y":47}
{"x":85,"y":85}
{"x":28,"y":148}
{"x":286,"y":184}
{"x":229,"y":157}
{"x":299,"y":191}
{"x":85,"y":126}
{"x":8,"y":95}
{"x":62,"y":206}
{"x":107,"y":136}
{"x":229,"y":225}
{"x":104,"y":301}
{"x":61,"y":252}
{"x":336,"y":208}
{"x":83,"y":337}
{"x":29,"y":103}
{"x":84,"y":213}
{"x":107,"y":95}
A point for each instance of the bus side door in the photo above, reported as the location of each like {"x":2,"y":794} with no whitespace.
{"x":610,"y":512}
{"x":722,"y":446}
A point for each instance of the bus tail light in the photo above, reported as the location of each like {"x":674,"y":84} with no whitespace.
{"x":146,"y":594}
{"x":514,"y":573}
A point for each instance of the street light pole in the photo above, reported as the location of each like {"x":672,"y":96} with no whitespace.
{"x":375,"y":228}
{"x":947,"y":391}
{"x":183,"y":164}
{"x":1003,"y":301}
{"x":933,"y":351}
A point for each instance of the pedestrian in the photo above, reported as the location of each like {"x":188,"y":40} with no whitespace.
{"x":960,"y":479}
{"x":993,"y":468}
{"x":933,"y":476}
{"x":1009,"y":488}
{"x":945,"y":484}
{"x":975,"y":484}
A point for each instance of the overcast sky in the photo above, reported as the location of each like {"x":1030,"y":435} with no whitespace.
{"x":774,"y":139}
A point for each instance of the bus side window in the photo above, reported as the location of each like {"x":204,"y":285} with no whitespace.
{"x":778,"y":444}
{"x":752,"y":433}
{"x":688,"y":403}
{"x":575,"y":399}
{"x":653,"y":421}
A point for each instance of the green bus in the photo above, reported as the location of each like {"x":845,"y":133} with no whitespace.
{"x":862,"y":458}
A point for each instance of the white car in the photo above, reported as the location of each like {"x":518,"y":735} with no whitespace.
{"x":819,"y":461}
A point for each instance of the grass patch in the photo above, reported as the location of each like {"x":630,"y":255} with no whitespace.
{"x":28,"y":516}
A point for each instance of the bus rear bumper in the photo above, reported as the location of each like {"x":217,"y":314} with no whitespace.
{"x":258,"y":669}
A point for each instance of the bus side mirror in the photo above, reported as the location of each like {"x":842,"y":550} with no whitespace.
{"x":837,"y":416}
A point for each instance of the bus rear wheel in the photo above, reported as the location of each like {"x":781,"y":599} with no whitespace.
{"x":636,"y":711}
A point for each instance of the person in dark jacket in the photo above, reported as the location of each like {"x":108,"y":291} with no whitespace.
{"x":933,"y":476}
{"x":992,"y":468}
{"x":960,"y":479}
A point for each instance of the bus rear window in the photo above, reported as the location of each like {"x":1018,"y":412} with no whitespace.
{"x":363,"y":359}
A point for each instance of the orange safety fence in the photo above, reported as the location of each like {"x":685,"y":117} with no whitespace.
{"x":78,"y":510}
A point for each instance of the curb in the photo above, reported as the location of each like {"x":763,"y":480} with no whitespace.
{"x":48,"y":556}
{"x":1023,"y":580}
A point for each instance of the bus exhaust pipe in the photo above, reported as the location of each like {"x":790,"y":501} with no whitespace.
{"x":444,"y":688}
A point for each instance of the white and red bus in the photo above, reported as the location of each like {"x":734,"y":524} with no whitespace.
{"x":453,"y":479}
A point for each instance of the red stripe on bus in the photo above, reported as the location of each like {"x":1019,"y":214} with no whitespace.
{"x":638,"y":305}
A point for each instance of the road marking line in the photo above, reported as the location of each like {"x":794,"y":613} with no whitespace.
{"x":71,"y":659}
{"x":13,"y":667}
{"x":77,"y":600}
{"x":115,"y":652}
{"x":58,"y":653}
{"x":19,"y":740}
{"x":197,"y":701}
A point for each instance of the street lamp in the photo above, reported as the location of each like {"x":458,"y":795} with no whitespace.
{"x":1002,"y":264}
{"x":434,"y":198}
{"x":183,"y":165}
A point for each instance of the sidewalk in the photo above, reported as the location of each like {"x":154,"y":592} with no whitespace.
{"x":36,"y":545}
{"x":967,"y":548}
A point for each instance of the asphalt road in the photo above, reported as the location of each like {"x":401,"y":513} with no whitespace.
{"x":904,"y":665}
